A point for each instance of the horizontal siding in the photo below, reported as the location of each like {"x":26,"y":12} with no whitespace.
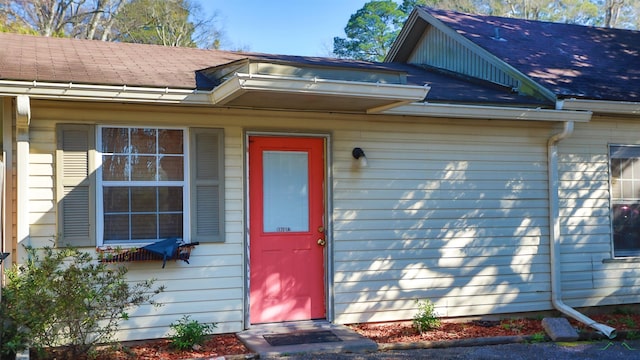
{"x":585,"y":216}
{"x":451,"y":210}
{"x":446,"y":211}
{"x":210,"y":288}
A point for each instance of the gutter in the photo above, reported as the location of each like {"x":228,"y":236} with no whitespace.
{"x":603,"y":106}
{"x":510,"y":113}
{"x":123,"y":93}
{"x":554,"y":235}
{"x":241,"y":83}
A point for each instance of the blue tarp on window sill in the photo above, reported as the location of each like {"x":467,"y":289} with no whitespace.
{"x":162,"y":250}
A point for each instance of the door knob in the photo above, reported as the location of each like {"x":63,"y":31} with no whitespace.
{"x":321,"y":242}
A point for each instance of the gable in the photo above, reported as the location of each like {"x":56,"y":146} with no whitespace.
{"x":552,"y":59}
{"x":430,"y":43}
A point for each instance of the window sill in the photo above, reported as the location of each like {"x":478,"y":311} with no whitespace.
{"x":622,"y":260}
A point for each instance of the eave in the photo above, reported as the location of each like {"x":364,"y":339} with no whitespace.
{"x":291,"y":93}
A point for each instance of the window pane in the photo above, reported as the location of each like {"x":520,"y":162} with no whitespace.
{"x":626,"y":226}
{"x":143,"y":168}
{"x":115,"y":167}
{"x":149,"y":212}
{"x":144,"y":227}
{"x":144,"y":199}
{"x":170,"y":199}
{"x":170,"y":142}
{"x":286,"y":198}
{"x":143,"y":141}
{"x":116,"y":227}
{"x":171,"y":168}
{"x":627,"y":168}
{"x":170,"y":225}
{"x":627,"y":189}
{"x":625,"y":193}
{"x":115,"y":140}
{"x":116,"y":199}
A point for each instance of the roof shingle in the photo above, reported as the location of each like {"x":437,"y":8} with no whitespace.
{"x":570,"y":60}
{"x":29,"y":58}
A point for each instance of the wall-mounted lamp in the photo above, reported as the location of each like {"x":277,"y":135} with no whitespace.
{"x":359,"y":155}
{"x":3,"y":256}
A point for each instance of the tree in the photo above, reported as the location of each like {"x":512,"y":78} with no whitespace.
{"x":156,"y":22}
{"x":47,"y":18}
{"x":164,"y":22}
{"x":370,"y":31}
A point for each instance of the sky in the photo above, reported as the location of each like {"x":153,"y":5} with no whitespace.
{"x":288,"y":27}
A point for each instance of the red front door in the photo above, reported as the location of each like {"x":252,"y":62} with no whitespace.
{"x":286,"y":265}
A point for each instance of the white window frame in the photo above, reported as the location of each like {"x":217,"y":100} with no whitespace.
{"x":614,"y":200}
{"x":185,"y":183}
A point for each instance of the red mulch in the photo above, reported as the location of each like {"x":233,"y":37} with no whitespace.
{"x":217,"y":345}
{"x":228,"y":344}
{"x":404,"y":331}
{"x":620,"y":321}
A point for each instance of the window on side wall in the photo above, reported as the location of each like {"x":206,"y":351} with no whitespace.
{"x":137,"y":185}
{"x":625,"y":199}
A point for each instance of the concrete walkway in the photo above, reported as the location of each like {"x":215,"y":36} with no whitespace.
{"x":347,"y":340}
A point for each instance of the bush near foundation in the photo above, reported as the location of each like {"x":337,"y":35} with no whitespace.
{"x":64,"y":298}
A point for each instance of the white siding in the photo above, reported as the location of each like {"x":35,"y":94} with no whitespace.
{"x":589,"y":280}
{"x":450,"y":211}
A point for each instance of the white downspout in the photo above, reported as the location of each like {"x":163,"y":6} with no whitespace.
{"x":554,"y":235}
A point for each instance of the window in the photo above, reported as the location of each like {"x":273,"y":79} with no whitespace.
{"x":133,"y":185}
{"x":141,"y":185}
{"x":625,"y":199}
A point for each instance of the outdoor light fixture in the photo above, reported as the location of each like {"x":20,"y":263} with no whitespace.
{"x":359,"y":155}
{"x":3,"y":256}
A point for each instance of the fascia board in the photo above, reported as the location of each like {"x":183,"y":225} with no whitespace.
{"x":242,"y":83}
{"x":488,"y":112}
{"x":402,"y":36}
{"x":46,"y":90}
{"x":602,"y":106}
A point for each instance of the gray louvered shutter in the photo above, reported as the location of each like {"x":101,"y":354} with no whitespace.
{"x":206,"y":185}
{"x":75,"y":185}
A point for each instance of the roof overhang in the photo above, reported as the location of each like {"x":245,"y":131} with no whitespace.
{"x":371,"y":98}
{"x":488,"y":112}
{"x":301,"y":93}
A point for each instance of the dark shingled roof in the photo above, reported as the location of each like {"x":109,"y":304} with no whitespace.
{"x":570,"y":60}
{"x":24,"y":57}
{"x":29,"y":58}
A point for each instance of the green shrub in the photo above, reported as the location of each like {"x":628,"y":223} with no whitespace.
{"x":188,"y":333}
{"x":65,"y":298}
{"x":426,"y":318}
{"x":633,"y":335}
{"x":538,"y":337}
